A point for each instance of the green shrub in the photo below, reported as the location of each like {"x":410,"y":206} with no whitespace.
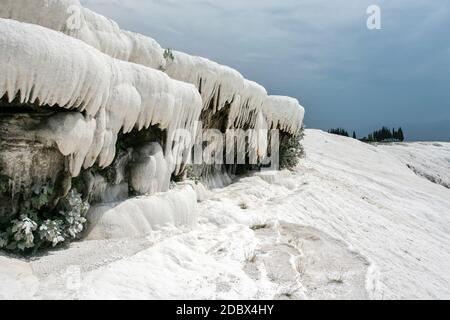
{"x":42,"y":194}
{"x":35,"y":228}
{"x":291,"y":151}
{"x":52,"y":231}
{"x":22,"y":232}
{"x":74,"y":215}
{"x":193,"y":172}
{"x":168,"y":55}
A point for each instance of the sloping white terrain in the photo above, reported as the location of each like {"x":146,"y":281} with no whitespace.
{"x":352,"y":222}
{"x":430,"y":160}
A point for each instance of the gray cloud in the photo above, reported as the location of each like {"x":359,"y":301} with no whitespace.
{"x":318,"y":51}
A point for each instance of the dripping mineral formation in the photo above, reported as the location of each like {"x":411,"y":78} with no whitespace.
{"x":97,"y":109}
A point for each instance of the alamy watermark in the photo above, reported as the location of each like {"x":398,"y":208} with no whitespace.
{"x":75,"y":19}
{"x":233,"y":147}
{"x":374,"y":19}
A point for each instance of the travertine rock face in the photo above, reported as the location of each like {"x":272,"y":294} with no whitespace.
{"x":87,"y":105}
{"x":26,"y":160}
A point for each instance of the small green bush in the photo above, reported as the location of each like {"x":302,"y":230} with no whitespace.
{"x":291,"y":151}
{"x":193,"y":172}
{"x":22,"y":233}
{"x":36,"y":229}
{"x":42,"y":194}
{"x":168,"y":55}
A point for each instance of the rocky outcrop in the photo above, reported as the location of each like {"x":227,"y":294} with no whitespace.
{"x":89,"y":106}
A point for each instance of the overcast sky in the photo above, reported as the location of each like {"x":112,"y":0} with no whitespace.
{"x":320,"y":52}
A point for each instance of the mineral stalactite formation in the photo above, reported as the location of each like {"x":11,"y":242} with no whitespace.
{"x":99,"y":108}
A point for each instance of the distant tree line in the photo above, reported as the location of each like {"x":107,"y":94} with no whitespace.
{"x":383,"y":135}
{"x":339,"y":131}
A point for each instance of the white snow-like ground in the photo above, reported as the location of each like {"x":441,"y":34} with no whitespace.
{"x":428,"y":159}
{"x":352,"y":222}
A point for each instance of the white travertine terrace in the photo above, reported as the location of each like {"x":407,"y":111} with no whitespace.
{"x":94,"y":29}
{"x":280,"y":111}
{"x":105,"y":81}
{"x":46,"y":67}
{"x":219,"y":85}
{"x":141,"y":216}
